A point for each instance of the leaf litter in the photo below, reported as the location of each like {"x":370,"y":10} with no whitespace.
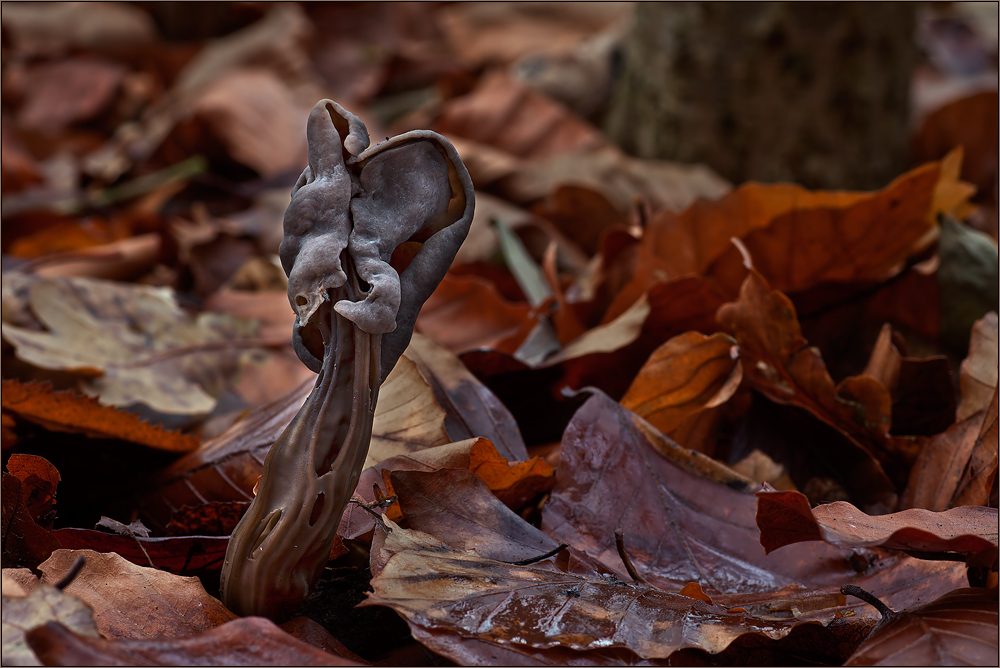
{"x":610,"y":367}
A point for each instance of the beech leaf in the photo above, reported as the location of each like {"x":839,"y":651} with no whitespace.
{"x":44,"y":604}
{"x":785,"y":518}
{"x":959,"y":628}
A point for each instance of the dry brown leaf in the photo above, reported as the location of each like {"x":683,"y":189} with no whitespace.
{"x":472,"y":409}
{"x":785,"y":518}
{"x":510,"y":116}
{"x":979,"y":478}
{"x":252,"y":641}
{"x":467,"y":312}
{"x":131,"y":344}
{"x":24,"y":542}
{"x":26,"y":612}
{"x":978,"y":376}
{"x":132,"y":601}
{"x":935,"y":474}
{"x":39,"y":480}
{"x":685,"y":376}
{"x":618,"y":179}
{"x":68,"y":411}
{"x":497,"y":33}
{"x":959,"y":628}
{"x":65,"y":92}
{"x":778,"y":362}
{"x":407,"y":418}
{"x":102,"y":27}
{"x":254,"y":115}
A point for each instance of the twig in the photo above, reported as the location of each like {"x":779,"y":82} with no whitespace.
{"x":71,"y":574}
{"x":541,"y":557}
{"x":870,"y":599}
{"x":633,"y":573}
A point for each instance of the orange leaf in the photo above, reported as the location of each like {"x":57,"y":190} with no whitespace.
{"x":71,"y":412}
{"x":684,"y":376}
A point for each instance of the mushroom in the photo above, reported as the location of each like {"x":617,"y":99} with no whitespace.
{"x":369,"y":233}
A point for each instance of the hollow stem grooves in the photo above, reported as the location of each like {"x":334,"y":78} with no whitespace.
{"x":279,"y":548}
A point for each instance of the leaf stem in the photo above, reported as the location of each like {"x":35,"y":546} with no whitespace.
{"x":633,"y":573}
{"x":870,"y":599}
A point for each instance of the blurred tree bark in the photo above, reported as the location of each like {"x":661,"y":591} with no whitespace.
{"x":815,"y":93}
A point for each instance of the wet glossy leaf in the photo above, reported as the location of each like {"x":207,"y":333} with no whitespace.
{"x":45,"y":603}
{"x":686,"y":375}
{"x":785,"y":518}
{"x":68,"y":411}
{"x":132,"y":601}
{"x":252,"y":641}
{"x":959,"y":628}
{"x":435,"y":587}
{"x":612,"y":476}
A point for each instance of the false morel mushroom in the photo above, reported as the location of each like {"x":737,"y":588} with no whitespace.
{"x":368,"y":235}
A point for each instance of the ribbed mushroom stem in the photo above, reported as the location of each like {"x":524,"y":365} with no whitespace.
{"x":278,"y":550}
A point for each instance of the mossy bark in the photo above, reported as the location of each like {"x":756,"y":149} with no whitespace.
{"x":815,"y":93}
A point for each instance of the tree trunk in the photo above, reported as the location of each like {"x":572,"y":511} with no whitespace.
{"x":815,"y":93}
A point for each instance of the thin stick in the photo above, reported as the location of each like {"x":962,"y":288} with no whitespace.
{"x":71,"y":574}
{"x":633,"y":573}
{"x":870,"y":599}
{"x":541,"y":557}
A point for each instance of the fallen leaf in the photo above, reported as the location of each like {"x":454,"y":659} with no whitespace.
{"x":407,"y":416}
{"x":958,"y":628}
{"x":103,"y":28}
{"x":785,"y":518}
{"x":39,"y":479}
{"x":137,"y":347}
{"x":979,"y":477}
{"x":24,"y":542}
{"x":471,"y":408}
{"x":611,"y":476}
{"x":539,"y":607}
{"x":978,"y":375}
{"x":68,"y":91}
{"x":71,"y":412}
{"x":181,"y":555}
{"x":608,"y":179}
{"x":500,"y":34}
{"x":215,"y":518}
{"x":44,"y":604}
{"x":510,"y":483}
{"x":778,"y":362}
{"x":865,"y":236}
{"x":922,"y":390}
{"x":967,"y":122}
{"x":136,"y":602}
{"x":510,"y":116}
{"x":686,"y":375}
{"x":254,"y":115}
{"x":935,"y":474}
{"x":252,"y":641}
{"x":227,"y":467}
{"x":468,"y":312}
